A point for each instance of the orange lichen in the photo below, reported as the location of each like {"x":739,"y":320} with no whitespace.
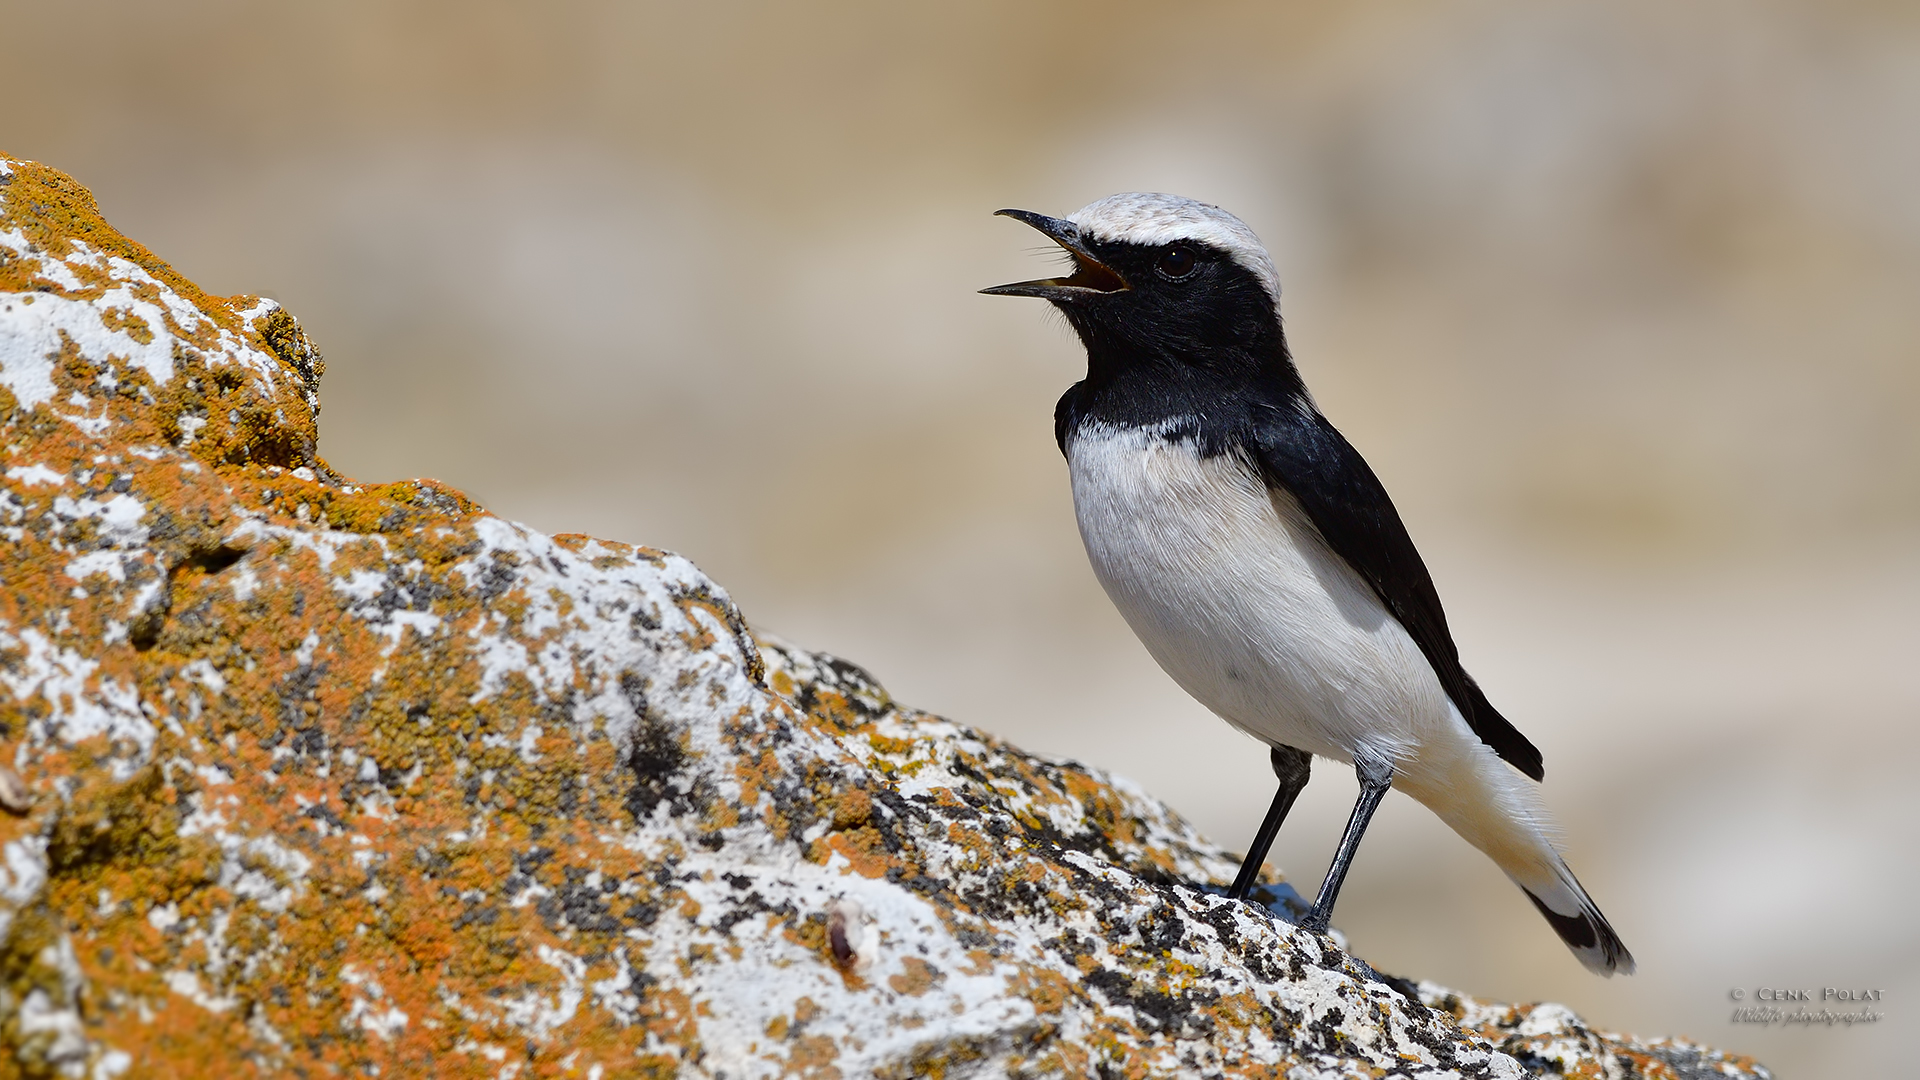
{"x":851,"y":809}
{"x":219,"y":658}
{"x":917,"y":979}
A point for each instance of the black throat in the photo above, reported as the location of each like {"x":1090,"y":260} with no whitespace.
{"x":1207,"y":353}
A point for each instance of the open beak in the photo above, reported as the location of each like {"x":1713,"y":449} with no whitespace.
{"x":1090,"y":276}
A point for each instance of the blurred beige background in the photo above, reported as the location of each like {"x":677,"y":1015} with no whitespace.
{"x":1618,"y":298}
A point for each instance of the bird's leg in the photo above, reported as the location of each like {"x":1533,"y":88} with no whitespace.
{"x":1291,"y":767}
{"x":1375,"y":778}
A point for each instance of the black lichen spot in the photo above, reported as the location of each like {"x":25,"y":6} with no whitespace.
{"x":1688,"y":1063}
{"x":1070,"y":945}
{"x":656,"y":760}
{"x":320,"y":812}
{"x":436,"y":500}
{"x":1327,"y":1030}
{"x":642,"y":913}
{"x":1156,"y":1009}
{"x":645,"y":617}
{"x":708,"y":595}
{"x":1538,"y":1064}
{"x":577,"y":903}
{"x":310,"y":741}
{"x":498,"y":577}
{"x":531,"y":860}
{"x":1439,"y":1041}
{"x":865,"y":698}
{"x":1161,"y":930}
{"x":633,"y":687}
{"x":483,"y":916}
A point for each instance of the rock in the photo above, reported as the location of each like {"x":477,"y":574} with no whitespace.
{"x":325,"y":778}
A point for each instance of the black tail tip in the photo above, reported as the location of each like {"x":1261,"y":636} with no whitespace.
{"x":1590,"y":937}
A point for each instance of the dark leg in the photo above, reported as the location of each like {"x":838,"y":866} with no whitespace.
{"x":1291,"y":767}
{"x":1374,"y":780}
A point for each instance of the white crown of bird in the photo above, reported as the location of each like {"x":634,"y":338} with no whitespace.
{"x":1150,"y":219}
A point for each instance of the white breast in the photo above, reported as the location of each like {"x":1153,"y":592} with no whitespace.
{"x":1236,"y":594}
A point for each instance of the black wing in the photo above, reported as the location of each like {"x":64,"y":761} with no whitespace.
{"x":1299,"y":450}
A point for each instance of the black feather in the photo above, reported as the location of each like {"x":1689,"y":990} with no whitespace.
{"x":1296,"y":448}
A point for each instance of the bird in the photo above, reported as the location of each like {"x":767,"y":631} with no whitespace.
{"x":1261,"y":562}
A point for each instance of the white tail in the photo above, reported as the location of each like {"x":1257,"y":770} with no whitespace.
{"x":1498,"y":811}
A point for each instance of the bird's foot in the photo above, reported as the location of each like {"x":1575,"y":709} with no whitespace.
{"x":1279,"y":900}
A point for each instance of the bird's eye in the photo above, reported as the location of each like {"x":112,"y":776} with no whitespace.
{"x":1178,"y":262}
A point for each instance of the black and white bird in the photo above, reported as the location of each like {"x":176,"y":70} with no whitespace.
{"x":1260,"y":560}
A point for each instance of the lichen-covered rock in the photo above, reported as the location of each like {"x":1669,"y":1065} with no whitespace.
{"x":321,"y":778}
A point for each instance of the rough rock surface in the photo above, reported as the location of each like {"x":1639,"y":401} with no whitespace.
{"x":311,"y":777}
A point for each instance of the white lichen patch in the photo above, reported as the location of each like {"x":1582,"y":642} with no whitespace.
{"x":368,"y":1007}
{"x":78,"y":705}
{"x":135,"y":324}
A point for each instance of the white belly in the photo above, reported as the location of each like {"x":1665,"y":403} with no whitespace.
{"x":1237,"y":595}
